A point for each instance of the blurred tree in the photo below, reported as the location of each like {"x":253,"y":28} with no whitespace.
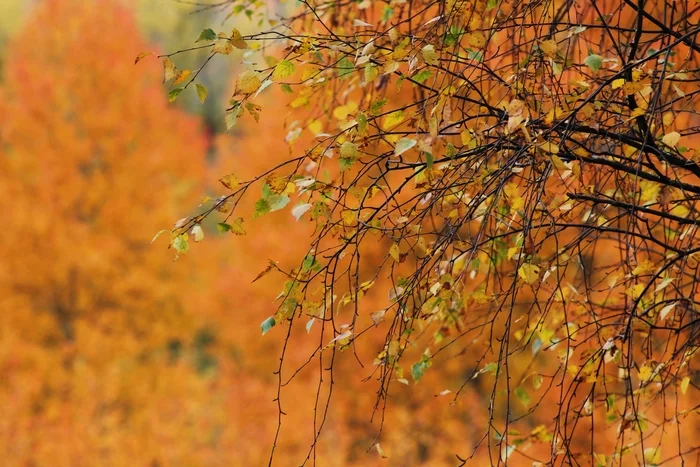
{"x":516,"y":181}
{"x":104,"y":358}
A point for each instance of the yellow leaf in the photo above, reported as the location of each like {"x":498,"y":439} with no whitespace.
{"x":652,"y":455}
{"x":680,"y":210}
{"x":182,"y":76}
{"x":671,"y":139}
{"x":248,"y":82}
{"x":283,"y":69}
{"x":477,"y":39}
{"x":618,"y":83}
{"x":550,"y":48}
{"x":631,"y":88}
{"x":650,"y":191}
{"x":644,"y":373}
{"x":348,"y":150}
{"x":393,"y":119}
{"x":529,"y":273}
{"x":635,"y":291}
{"x":315,"y":127}
{"x":169,"y":69}
{"x":222,"y":46}
{"x":638,"y":112}
{"x":549,"y":147}
{"x":466,"y":137}
{"x":201,"y":92}
{"x":237,"y":40}
{"x":684,"y":384}
{"x":230,"y":181}
{"x":342,"y":112}
{"x":348,"y":216}
{"x":394,"y":252}
{"x":644,"y":267}
{"x":429,"y":55}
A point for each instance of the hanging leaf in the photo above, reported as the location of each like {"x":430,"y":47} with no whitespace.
{"x":197,"y":233}
{"x":248,"y":82}
{"x":529,"y":273}
{"x":169,"y":69}
{"x":201,"y":92}
{"x":172,"y":95}
{"x":268,"y":324}
{"x":141,"y":56}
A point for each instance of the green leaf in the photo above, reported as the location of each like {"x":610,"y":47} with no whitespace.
{"x":261,"y":208}
{"x":206,"y":35}
{"x":387,"y":13}
{"x":376,"y":107}
{"x":172,"y":95}
{"x":277,"y":202}
{"x":201,"y":92}
{"x":223,"y":227}
{"x":283,"y":69}
{"x":268,"y":324}
{"x":418,"y":370}
{"x":421,"y":76}
{"x":403,"y":145}
{"x":287,"y":89}
{"x":522,"y":396}
{"x":594,"y":62}
{"x":491,"y":4}
{"x":180,"y":244}
{"x":475,"y":55}
{"x":345,"y":68}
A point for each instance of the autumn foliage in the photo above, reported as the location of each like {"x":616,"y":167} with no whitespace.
{"x":506,"y":191}
{"x":466,"y":230}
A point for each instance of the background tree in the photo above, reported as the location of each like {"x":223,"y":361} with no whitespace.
{"x":108,"y":354}
{"x":527,"y":171}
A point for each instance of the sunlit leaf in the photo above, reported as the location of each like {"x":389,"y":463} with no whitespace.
{"x":283,"y":69}
{"x":393,"y":119}
{"x":248,"y":82}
